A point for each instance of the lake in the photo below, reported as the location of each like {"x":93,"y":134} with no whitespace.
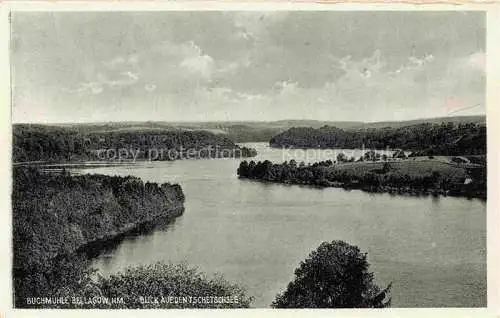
{"x":256,"y":234}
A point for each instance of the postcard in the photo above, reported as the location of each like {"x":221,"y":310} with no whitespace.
{"x":223,"y":156}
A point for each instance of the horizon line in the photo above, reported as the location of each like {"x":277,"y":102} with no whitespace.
{"x":239,"y":121}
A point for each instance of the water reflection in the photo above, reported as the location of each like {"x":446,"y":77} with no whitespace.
{"x":255,"y":234}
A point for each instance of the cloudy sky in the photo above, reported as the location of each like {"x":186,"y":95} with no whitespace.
{"x":217,"y":66}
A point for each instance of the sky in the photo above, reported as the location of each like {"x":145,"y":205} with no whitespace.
{"x":246,"y":66}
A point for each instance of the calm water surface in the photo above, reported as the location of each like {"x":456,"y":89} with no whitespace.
{"x":255,"y":234}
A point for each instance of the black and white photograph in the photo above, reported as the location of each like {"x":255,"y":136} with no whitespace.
{"x":177,"y":159}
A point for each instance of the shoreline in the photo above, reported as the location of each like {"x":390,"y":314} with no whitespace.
{"x":414,"y":192}
{"x":80,"y":258}
{"x":113,"y":162}
{"x":94,"y":249}
{"x":277,"y":146}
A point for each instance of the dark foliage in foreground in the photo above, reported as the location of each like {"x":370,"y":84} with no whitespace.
{"x":56,"y":215}
{"x":424,"y":139}
{"x":160,"y":285}
{"x":334,"y":276}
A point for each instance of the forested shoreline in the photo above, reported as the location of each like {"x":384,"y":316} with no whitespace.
{"x":446,"y":139}
{"x":56,"y":215}
{"x":404,"y":177}
{"x":69,"y":144}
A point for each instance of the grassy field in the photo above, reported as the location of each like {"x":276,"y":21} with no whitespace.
{"x":412,"y":168}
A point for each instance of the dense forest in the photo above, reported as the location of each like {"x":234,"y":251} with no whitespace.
{"x":56,"y":144}
{"x":56,"y":215}
{"x":423,"y":139}
{"x":408,"y":176}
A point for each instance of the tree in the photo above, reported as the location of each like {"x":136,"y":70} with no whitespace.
{"x":369,"y":155}
{"x":334,"y":276}
{"x":243,"y":170}
{"x":341,"y":157}
{"x":171,"y":280}
{"x":386,"y":168}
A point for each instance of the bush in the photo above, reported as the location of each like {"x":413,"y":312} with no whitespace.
{"x":333,"y":276}
{"x":175,"y":280}
{"x":162,"y":285}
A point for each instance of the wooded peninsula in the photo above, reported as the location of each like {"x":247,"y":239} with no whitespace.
{"x":416,"y":177}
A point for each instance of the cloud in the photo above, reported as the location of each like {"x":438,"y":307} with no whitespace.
{"x":379,"y":93}
{"x":250,"y":97}
{"x":132,"y":59}
{"x":223,"y":68}
{"x":202,"y":65}
{"x":243,"y":34}
{"x":132,"y":76}
{"x":103,"y":82}
{"x":248,"y":65}
{"x":197,"y":61}
{"x":369,"y":85}
{"x":188,"y":55}
{"x":287,"y":88}
{"x":121,"y":61}
{"x":93,"y":88}
{"x":150,"y":87}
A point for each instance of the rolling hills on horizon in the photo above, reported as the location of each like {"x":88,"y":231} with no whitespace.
{"x":283,"y":123}
{"x":253,"y":131}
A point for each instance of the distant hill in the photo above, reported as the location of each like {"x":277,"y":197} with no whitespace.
{"x":444,"y":138}
{"x":437,"y":120}
{"x":91,"y":143}
{"x":254,"y":131}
